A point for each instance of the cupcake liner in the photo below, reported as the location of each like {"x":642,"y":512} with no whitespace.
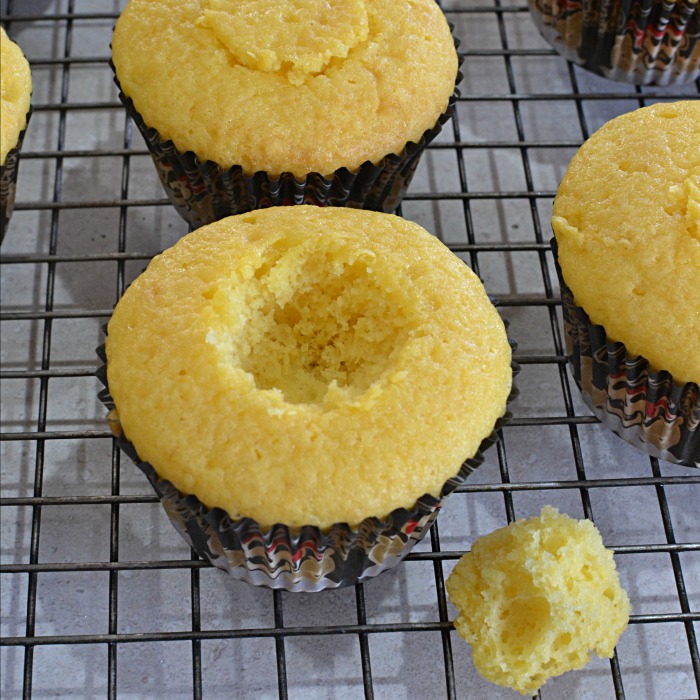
{"x":644,"y":406}
{"x":8,"y":181}
{"x":646,"y":42}
{"x":202,"y":192}
{"x":307,"y":559}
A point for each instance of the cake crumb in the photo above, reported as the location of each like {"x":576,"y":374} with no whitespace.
{"x":536,"y":597}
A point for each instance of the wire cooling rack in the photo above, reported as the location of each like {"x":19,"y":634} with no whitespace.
{"x":100,"y":597}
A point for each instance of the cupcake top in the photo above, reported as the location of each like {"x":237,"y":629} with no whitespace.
{"x":298,"y":86}
{"x":308,"y":365}
{"x":536,"y":597}
{"x":16,"y":91}
{"x":627,"y":223}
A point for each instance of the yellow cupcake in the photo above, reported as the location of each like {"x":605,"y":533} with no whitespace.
{"x":535,"y":598}
{"x":301,"y":86}
{"x":636,"y":41}
{"x":16,"y":89}
{"x":627,"y":223}
{"x":308,"y":366}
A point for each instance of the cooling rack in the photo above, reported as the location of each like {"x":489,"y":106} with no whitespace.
{"x":100,"y":597}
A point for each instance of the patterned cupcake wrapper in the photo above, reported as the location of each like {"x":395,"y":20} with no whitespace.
{"x":645,"y":407}
{"x":646,"y":42}
{"x":308,"y":559}
{"x":8,"y":181}
{"x":202,"y":192}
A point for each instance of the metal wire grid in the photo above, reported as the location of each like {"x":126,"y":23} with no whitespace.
{"x":28,"y":438}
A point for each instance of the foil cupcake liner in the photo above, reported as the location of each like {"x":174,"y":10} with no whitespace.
{"x":8,"y":181}
{"x":202,"y":192}
{"x":307,"y":559}
{"x":645,"y":42}
{"x":644,"y":406}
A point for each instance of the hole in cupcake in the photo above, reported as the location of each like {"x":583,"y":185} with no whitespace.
{"x":528,"y":619}
{"x":563,"y":640}
{"x":325,"y":326}
{"x":626,"y":166}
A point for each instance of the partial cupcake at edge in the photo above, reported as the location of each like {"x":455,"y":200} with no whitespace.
{"x":304,"y":386}
{"x":626,"y":221}
{"x":645,"y":42}
{"x":16,"y":88}
{"x":245,"y":105}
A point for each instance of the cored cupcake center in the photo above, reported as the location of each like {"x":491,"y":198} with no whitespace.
{"x":324,"y":327}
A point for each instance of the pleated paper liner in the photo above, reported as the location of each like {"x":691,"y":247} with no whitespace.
{"x":307,"y":559}
{"x":8,"y":181}
{"x":646,"y":42}
{"x":202,"y":192}
{"x":644,"y":406}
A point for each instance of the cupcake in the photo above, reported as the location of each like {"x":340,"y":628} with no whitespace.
{"x":536,"y":597}
{"x":16,"y":88}
{"x":626,"y":221}
{"x":255,"y":103}
{"x":637,"y":41}
{"x":303,"y":386}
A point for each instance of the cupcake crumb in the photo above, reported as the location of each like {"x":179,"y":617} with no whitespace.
{"x":536,"y":597}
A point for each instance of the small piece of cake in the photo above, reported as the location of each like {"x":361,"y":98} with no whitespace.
{"x":307,"y":365}
{"x":536,"y":597}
